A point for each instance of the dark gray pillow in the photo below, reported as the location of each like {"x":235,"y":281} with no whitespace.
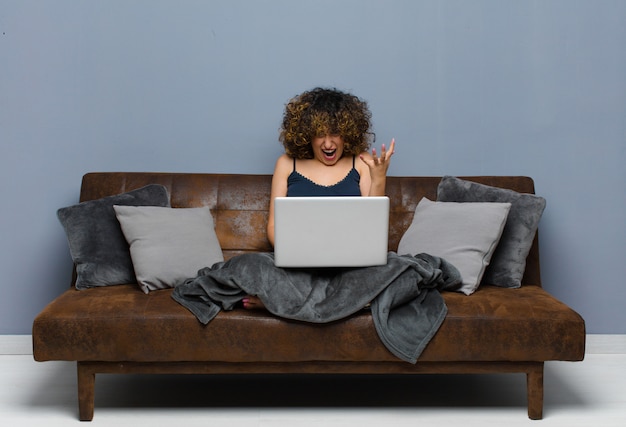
{"x":509,"y":260}
{"x":97,"y":244}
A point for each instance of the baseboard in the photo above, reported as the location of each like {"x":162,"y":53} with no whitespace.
{"x":605,"y":344}
{"x":16,"y":345}
{"x":596,"y":344}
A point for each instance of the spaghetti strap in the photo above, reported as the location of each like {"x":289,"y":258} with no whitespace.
{"x":294,"y":164}
{"x":353,"y":157}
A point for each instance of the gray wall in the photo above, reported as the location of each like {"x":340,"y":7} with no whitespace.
{"x":466,"y":87}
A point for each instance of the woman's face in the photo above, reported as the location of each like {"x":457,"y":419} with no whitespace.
{"x":328,"y":149}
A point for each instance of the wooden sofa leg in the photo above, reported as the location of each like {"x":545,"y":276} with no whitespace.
{"x":86,"y":391}
{"x":534,"y":386}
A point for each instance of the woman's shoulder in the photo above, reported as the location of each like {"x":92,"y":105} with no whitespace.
{"x":283,"y":164}
{"x":359,"y":164}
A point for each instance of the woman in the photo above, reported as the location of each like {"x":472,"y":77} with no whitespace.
{"x":323,"y":132}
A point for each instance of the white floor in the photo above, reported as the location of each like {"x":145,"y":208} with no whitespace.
{"x":589,"y":393}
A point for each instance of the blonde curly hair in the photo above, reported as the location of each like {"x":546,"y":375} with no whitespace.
{"x":321,"y":112}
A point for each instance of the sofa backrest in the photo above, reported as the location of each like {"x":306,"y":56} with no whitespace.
{"x":239,"y":203}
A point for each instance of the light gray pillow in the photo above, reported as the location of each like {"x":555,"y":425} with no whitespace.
{"x":509,"y":261}
{"x":97,"y":245}
{"x":464,"y":234}
{"x":168,"y":245}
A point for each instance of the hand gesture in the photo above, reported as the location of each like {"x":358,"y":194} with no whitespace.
{"x":379,"y":165}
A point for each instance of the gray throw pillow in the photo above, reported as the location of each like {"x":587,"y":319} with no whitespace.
{"x":509,"y":260}
{"x":97,"y":244}
{"x":464,"y":234}
{"x":168,"y":245}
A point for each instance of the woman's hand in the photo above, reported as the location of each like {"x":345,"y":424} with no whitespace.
{"x":378,"y":166}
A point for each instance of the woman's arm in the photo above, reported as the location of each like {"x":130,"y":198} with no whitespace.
{"x":283,"y":168}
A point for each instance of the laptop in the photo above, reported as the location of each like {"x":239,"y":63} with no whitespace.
{"x":330,"y":231}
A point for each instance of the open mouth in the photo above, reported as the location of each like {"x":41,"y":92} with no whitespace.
{"x":329,"y":154}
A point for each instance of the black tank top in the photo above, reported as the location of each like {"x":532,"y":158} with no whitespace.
{"x":300,"y":186}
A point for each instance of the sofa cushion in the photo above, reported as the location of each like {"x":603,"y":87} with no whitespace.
{"x":509,"y":260}
{"x":122,"y":324}
{"x":168,"y":245}
{"x":97,"y":244}
{"x":464,"y":234}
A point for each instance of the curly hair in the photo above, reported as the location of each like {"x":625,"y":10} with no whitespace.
{"x":321,"y":112}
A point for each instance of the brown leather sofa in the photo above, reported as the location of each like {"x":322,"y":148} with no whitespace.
{"x":119,"y":329}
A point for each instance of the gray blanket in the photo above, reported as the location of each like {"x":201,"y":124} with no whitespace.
{"x":406,"y":306}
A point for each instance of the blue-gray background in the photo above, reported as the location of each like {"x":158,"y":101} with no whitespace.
{"x":502,"y":87}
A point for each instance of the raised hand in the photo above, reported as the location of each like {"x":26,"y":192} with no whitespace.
{"x":379,"y":165}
